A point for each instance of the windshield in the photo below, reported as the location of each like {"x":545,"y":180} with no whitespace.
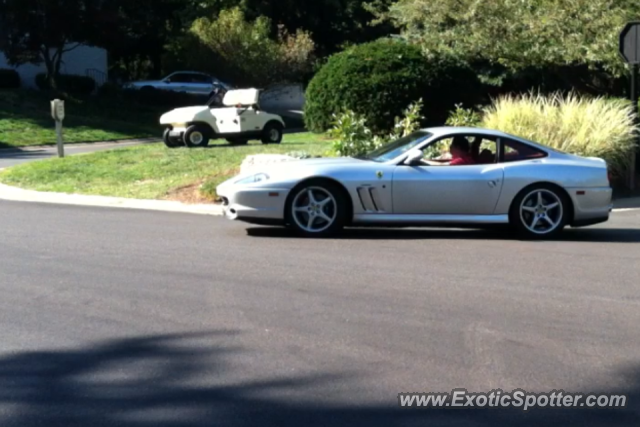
{"x":396,"y":148}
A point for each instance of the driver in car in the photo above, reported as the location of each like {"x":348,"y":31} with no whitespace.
{"x":460,"y":155}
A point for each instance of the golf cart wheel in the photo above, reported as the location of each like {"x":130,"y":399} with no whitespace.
{"x":168,"y":141}
{"x":317,"y":208}
{"x":237,"y":141}
{"x":272,"y":133}
{"x":196,"y":136}
{"x":540,"y":212}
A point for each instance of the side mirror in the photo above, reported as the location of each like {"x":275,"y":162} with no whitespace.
{"x":414,"y":157}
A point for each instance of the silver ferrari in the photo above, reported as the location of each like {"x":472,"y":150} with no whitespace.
{"x":436,"y":177}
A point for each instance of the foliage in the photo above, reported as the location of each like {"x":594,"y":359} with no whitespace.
{"x":77,"y":85}
{"x":516,"y":34}
{"x":236,"y":49}
{"x":591,"y":127}
{"x":378,"y":80}
{"x":464,"y":117}
{"x":353,"y":137}
{"x":9,"y":79}
{"x":35,"y":31}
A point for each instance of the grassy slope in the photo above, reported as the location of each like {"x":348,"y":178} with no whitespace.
{"x":149,"y":171}
{"x":25,"y":120}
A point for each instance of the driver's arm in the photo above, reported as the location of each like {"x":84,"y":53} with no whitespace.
{"x":435,"y":163}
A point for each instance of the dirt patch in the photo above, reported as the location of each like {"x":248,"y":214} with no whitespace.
{"x":189,"y":194}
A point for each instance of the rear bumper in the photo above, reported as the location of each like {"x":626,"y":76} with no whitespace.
{"x":590,"y":205}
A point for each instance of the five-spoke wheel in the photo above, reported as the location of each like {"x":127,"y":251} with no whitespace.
{"x":540,"y":211}
{"x":316,"y":209}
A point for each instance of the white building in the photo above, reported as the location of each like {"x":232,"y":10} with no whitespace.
{"x":83,"y":61}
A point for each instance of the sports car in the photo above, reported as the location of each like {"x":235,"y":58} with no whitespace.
{"x":410,"y":182}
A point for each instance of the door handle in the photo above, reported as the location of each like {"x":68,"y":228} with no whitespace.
{"x":493,"y":183}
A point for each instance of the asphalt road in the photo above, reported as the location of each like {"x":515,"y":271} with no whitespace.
{"x":112,"y":317}
{"x":15,"y":156}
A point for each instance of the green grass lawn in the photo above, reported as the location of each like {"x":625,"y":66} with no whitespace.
{"x":151,"y":171}
{"x":25,"y":119}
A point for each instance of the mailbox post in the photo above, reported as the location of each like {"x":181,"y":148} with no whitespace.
{"x":630,"y":52}
{"x":57,"y":113}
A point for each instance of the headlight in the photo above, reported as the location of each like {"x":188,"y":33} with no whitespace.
{"x":259,"y":177}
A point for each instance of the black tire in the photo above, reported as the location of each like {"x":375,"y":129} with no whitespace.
{"x":338,"y":213}
{"x":237,"y":141}
{"x":272,"y":133}
{"x":196,"y":136}
{"x":170,"y":142}
{"x":521,"y":221}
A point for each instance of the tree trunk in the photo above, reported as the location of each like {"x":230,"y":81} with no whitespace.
{"x":49,"y":64}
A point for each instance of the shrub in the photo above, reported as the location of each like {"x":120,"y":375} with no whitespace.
{"x":590,"y":127}
{"x":244,"y":52}
{"x":77,"y":85}
{"x":9,"y":79}
{"x":377,"y":80}
{"x":354,"y":138}
{"x":464,"y":117}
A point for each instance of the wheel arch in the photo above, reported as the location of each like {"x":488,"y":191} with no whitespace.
{"x":333,"y":181}
{"x":558,"y":187}
{"x":273,"y":120}
{"x":206,"y":126}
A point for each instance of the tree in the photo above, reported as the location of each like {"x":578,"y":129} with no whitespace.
{"x":42,"y":31}
{"x":243,"y":51}
{"x":516,"y":34}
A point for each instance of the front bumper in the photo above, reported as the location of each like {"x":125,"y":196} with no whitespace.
{"x":253,"y":205}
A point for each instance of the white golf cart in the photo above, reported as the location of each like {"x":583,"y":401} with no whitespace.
{"x":238,"y":121}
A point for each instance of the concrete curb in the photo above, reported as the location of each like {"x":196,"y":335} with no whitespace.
{"x":19,"y":195}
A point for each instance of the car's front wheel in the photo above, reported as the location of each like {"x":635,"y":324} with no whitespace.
{"x":540,"y":212}
{"x":317,"y":209}
{"x":196,"y":136}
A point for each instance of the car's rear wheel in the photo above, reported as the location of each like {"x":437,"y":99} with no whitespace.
{"x":196,"y":136}
{"x":316,"y":208}
{"x":272,"y":133}
{"x":169,"y":141}
{"x":540,"y":212}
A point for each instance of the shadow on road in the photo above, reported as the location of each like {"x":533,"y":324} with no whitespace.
{"x":608,"y":235}
{"x":186,"y":381}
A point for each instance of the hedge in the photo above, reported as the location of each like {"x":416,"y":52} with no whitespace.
{"x":80,"y":85}
{"x":379,"y":79}
{"x":9,"y":79}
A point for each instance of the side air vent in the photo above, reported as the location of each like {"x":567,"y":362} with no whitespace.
{"x":370,"y":199}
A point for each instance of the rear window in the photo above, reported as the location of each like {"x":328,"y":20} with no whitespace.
{"x":514,"y":151}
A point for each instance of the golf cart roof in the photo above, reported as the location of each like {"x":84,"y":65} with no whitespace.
{"x":243,"y":97}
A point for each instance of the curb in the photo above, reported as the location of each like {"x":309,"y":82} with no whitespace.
{"x":15,"y":194}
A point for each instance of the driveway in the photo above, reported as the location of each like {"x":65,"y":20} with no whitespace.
{"x":125,"y":318}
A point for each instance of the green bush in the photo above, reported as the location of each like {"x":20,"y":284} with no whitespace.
{"x":354,"y":138}
{"x":590,"y":127}
{"x":377,"y":80}
{"x":9,"y":79}
{"x":73,"y":84}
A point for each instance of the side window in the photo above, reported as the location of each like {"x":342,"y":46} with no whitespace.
{"x":514,"y":151}
{"x":181,"y":78}
{"x":201,"y":78}
{"x":482,"y":149}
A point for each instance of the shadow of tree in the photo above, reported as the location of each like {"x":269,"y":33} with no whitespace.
{"x":177,"y":381}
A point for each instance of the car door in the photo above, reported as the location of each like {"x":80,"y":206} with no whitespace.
{"x":201,"y":84}
{"x":447,"y":190}
{"x":178,"y":82}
